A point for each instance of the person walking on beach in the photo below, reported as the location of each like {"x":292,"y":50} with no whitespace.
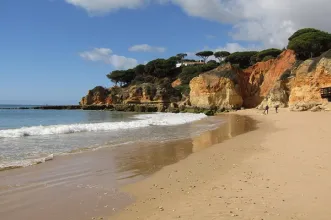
{"x":266,"y":110}
{"x":276,"y":107}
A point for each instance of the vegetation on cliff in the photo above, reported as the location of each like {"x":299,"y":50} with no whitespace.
{"x":309,"y":42}
{"x":168,"y":80}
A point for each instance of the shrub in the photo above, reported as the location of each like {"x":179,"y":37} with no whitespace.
{"x":184,"y":89}
{"x":272,"y":52}
{"x":266,"y":58}
{"x":285,"y":75}
{"x":243,"y":59}
{"x":189,"y":72}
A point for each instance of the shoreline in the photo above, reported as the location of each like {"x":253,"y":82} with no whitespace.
{"x":279,"y":171}
{"x":89,"y":182}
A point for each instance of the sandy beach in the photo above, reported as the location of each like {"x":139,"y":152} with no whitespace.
{"x":279,"y":171}
{"x":88,"y":185}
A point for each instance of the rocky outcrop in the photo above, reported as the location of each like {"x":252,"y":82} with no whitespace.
{"x":282,"y":81}
{"x":264,"y":86}
{"x":310,"y":77}
{"x":252,"y":81}
{"x":135,"y":94}
{"x":97,"y":96}
{"x":278,"y":96}
{"x":218,"y":88}
{"x":176,"y":83}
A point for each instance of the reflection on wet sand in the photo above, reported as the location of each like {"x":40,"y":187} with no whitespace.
{"x":86,"y":185}
{"x":145,"y":159}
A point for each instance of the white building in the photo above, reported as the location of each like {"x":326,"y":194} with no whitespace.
{"x":189,"y":63}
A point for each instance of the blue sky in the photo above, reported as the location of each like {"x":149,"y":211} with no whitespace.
{"x":53,"y":51}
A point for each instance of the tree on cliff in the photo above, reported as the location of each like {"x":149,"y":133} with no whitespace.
{"x":161,"y":67}
{"x":181,"y":56}
{"x":205,"y":54}
{"x":243,"y":59}
{"x":309,"y":42}
{"x":140,"y":70}
{"x":221,"y":55}
{"x":189,"y":72}
{"x":122,"y":76}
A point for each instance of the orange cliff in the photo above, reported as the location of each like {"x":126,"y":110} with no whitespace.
{"x":248,"y":87}
{"x":280,"y":81}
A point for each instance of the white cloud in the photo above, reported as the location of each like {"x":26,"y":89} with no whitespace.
{"x":267,"y":21}
{"x":97,"y":7}
{"x":106,"y":55}
{"x":146,"y":48}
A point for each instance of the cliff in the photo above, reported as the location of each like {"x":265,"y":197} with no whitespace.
{"x":248,"y":88}
{"x":310,"y":77}
{"x":145,"y":93}
{"x":282,"y":81}
{"x":217,"y":88}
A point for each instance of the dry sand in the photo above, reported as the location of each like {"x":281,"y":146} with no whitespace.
{"x":279,"y":171}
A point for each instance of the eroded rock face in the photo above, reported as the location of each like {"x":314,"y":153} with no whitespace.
{"x":251,"y":83}
{"x":176,"y":83}
{"x":135,"y":94}
{"x":278,"y":96}
{"x":310,"y":77}
{"x":218,"y":88}
{"x":97,"y":96}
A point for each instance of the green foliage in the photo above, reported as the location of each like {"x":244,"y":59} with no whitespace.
{"x":272,"y":52}
{"x":184,"y":89}
{"x":212,"y":61}
{"x":243,"y":59}
{"x":285,"y":75}
{"x":302,"y":31}
{"x":266,"y":58}
{"x":205,"y":54}
{"x":308,"y":43}
{"x":189,"y":72}
{"x":220,"y":55}
{"x":140,"y":69}
{"x":181,"y":56}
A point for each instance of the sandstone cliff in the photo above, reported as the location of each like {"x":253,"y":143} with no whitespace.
{"x":282,"y":81}
{"x":248,"y":88}
{"x":310,"y":77}
{"x":135,"y":94}
{"x":218,"y":88}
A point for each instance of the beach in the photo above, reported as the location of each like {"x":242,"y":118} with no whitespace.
{"x":279,"y":171}
{"x":254,"y":166}
{"x":88,"y":184}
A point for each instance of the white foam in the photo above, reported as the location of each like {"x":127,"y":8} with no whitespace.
{"x":25,"y":163}
{"x":144,"y":120}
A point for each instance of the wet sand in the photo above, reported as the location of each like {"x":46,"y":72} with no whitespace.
{"x":279,"y":171}
{"x":87,"y":185}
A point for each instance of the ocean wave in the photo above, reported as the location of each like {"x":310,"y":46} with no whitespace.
{"x":144,"y":120}
{"x":24,"y":163}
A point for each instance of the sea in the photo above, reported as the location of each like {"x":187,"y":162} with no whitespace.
{"x":29,"y":137}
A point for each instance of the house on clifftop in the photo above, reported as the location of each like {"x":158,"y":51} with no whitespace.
{"x":188,"y":63}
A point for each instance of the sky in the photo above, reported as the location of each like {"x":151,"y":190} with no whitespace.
{"x":54,"y":51}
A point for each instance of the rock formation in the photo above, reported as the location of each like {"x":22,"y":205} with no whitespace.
{"x":282,"y":81}
{"x":134,"y":94}
{"x":218,"y":88}
{"x":97,"y":96}
{"x":310,"y":77}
